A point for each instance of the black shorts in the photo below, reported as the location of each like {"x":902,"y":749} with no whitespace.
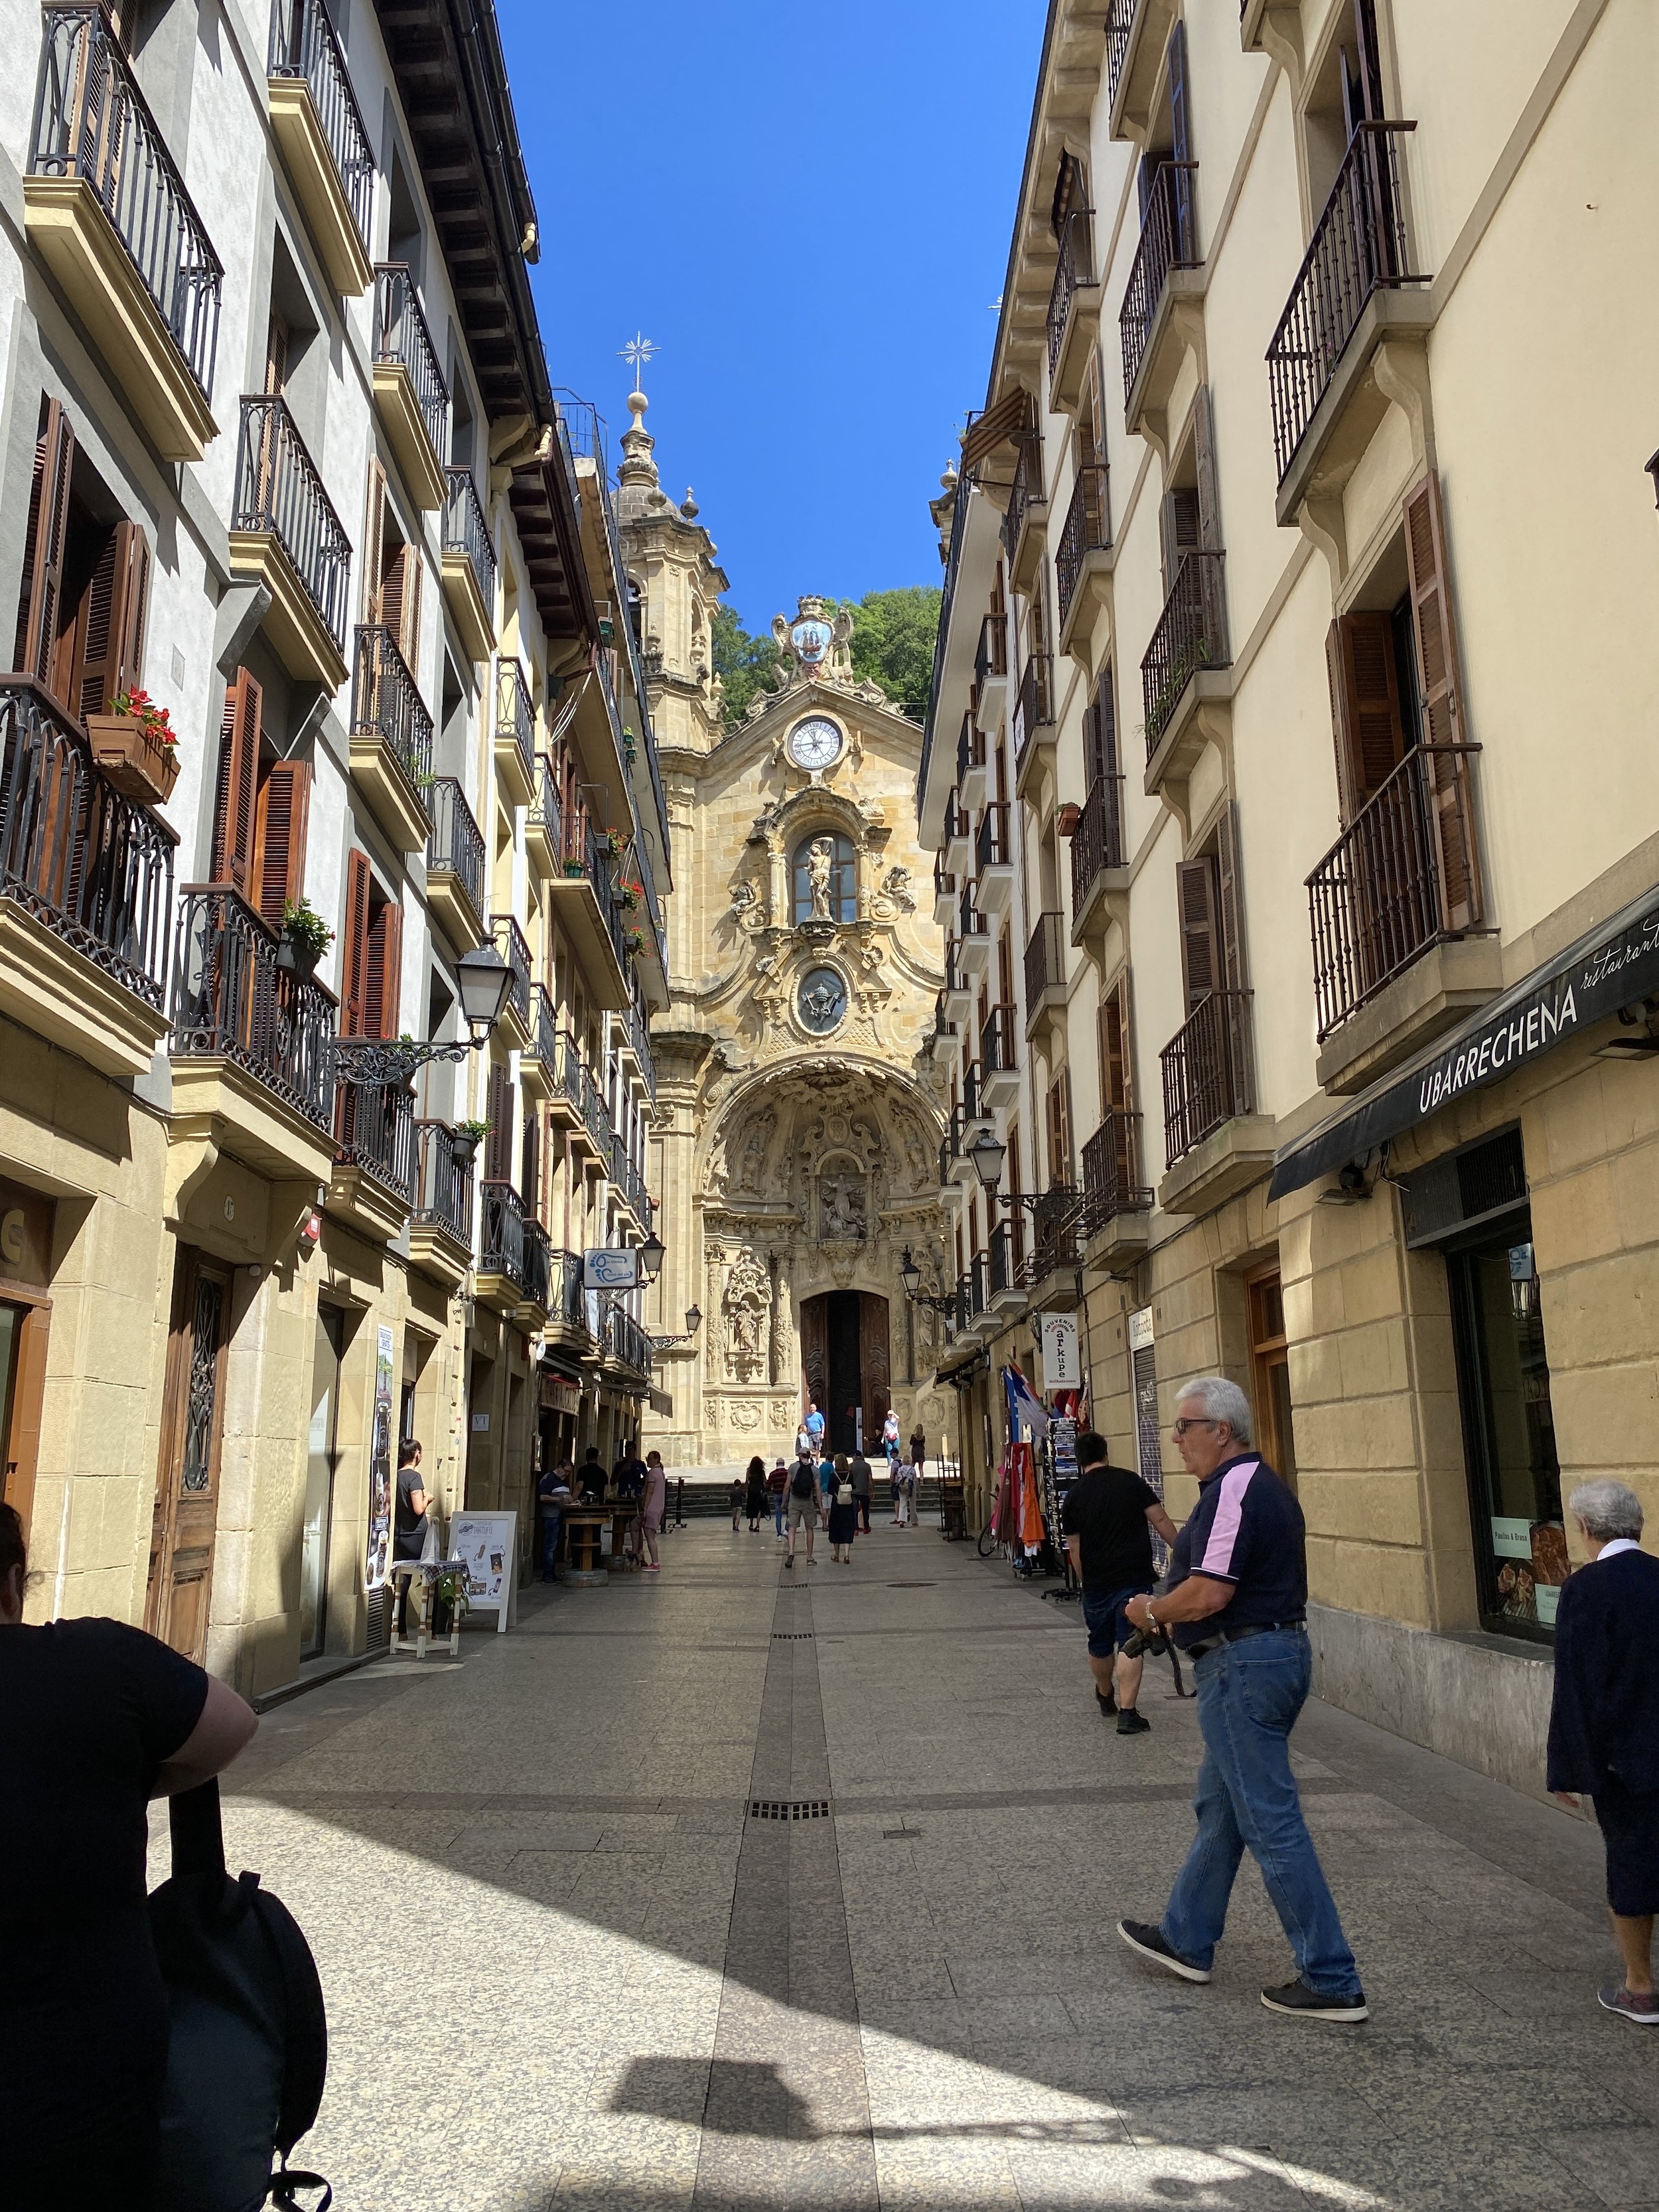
{"x":1629,"y":1821}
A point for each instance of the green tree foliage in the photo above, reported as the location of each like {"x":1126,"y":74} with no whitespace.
{"x":893,"y":635}
{"x":744,"y":663}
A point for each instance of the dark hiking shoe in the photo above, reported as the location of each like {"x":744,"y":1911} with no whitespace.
{"x":1297,"y":1997}
{"x":1641,"y":2007}
{"x":1140,"y":1936}
{"x":1105,"y":1701}
{"x":1130,"y":1723}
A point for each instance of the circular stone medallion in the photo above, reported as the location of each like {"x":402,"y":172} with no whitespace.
{"x":821,"y":1000}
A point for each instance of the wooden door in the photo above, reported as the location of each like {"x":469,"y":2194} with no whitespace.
{"x":26,"y":1330}
{"x":187,"y":1513}
{"x":875,"y":1365}
{"x":814,"y":1354}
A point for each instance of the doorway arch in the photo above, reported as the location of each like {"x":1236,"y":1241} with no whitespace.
{"x":847,"y":1366}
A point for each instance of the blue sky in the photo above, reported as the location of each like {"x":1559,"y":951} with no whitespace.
{"x":808,"y":210}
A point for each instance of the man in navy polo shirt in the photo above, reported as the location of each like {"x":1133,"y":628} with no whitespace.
{"x":1237,"y":1601}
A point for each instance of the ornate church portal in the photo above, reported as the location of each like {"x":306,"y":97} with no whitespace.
{"x":799,"y":1112}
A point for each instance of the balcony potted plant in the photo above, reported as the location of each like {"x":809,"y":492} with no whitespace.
{"x":613,"y":845}
{"x":1066,"y":818}
{"x":305,"y":937}
{"x":630,"y":746}
{"x":631,"y":896}
{"x":633,"y":943}
{"x":137,"y":747}
{"x":464,"y":1141}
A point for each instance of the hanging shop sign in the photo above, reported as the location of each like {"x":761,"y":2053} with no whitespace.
{"x":604,"y":1269}
{"x":1061,"y":1370}
{"x":559,"y":1396}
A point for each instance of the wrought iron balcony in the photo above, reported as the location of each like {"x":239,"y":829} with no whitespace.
{"x":502,"y":1232}
{"x":1087,"y":529}
{"x":375,"y":1127}
{"x":625,"y":1339}
{"x":595,"y":1115}
{"x":514,"y":946}
{"x":93,"y":866}
{"x":970,"y":749}
{"x":1119,"y":17}
{"x":1111,"y":1172}
{"x":1025,"y":491}
{"x":999,"y":1258}
{"x":537,"y":1264}
{"x":1167,"y":242}
{"x":541,"y":1042}
{"x":1403,"y":875}
{"x":402,"y":343}
{"x":1045,"y":959}
{"x":1208,"y":1077}
{"x":991,"y":845}
{"x":280,"y":494}
{"x":386,"y":706}
{"x":1359,"y":247}
{"x":443,"y":1184}
{"x":1097,"y":841}
{"x":1055,"y":1214}
{"x":991,"y":656}
{"x":1073,"y":272}
{"x":456,"y":846}
{"x":569,"y":1071}
{"x":231,"y":1000}
{"x":627,"y":1178}
{"x":998,"y":1048}
{"x":303,"y":46}
{"x":970,"y":922}
{"x":1191,"y":635}
{"x":1034,"y":710}
{"x":567,"y":1294}
{"x":638,"y":1032}
{"x":92,"y":125}
{"x":466,"y":531}
{"x":515,"y":720}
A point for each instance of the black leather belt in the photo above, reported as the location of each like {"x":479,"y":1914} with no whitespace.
{"x":1237,"y":1635}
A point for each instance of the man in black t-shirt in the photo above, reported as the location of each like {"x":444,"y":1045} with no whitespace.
{"x":409,"y":1519}
{"x":1109,"y":1516}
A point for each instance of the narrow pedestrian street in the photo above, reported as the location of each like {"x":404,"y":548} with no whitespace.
{"x":572,"y":1961}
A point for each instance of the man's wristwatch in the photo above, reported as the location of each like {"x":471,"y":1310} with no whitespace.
{"x":1152,"y":1618}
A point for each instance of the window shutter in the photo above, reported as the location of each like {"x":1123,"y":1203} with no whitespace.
{"x":1371,"y":59}
{"x":1231,"y":910}
{"x":530,"y":1189}
{"x":239,"y":771}
{"x":1071,"y":192}
{"x":1200,"y":966}
{"x":1180,"y":117}
{"x":1064,"y":1088}
{"x":1180,"y":520}
{"x":1370,"y":736}
{"x":1005,"y":967}
{"x":383,"y":971}
{"x":391,"y":596}
{"x":1432,"y":618}
{"x":276,"y":357}
{"x":374,"y":543}
{"x":1209,"y":501}
{"x":354,"y":947}
{"x":43,"y":545}
{"x":498,"y":1162}
{"x":1114,"y":1019}
{"x":409,"y":621}
{"x":281,"y":813}
{"x":1103,"y":760}
{"x":106,"y":653}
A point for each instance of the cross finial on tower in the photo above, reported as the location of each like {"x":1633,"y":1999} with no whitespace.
{"x":638,"y":350}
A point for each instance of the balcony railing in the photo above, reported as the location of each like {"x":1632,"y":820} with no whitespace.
{"x":639,"y":1039}
{"x":230,"y":999}
{"x":1207,"y":1072}
{"x":537,"y":1264}
{"x":1403,"y":875}
{"x":303,"y":45}
{"x":466,"y":530}
{"x":568,"y":1071}
{"x":278,"y":490}
{"x":502,"y":1232}
{"x":401,"y":335}
{"x":1034,"y":710}
{"x":997,"y":1042}
{"x":1054,"y":1219}
{"x":92,"y":122}
{"x":972,"y":1109}
{"x":544,"y":1024}
{"x":1167,"y":242}
{"x":1359,"y":247}
{"x":625,"y":1339}
{"x":1191,"y":635}
{"x":991,"y":658}
{"x":970,"y":749}
{"x":1111,"y":1172}
{"x":443,"y":1186}
{"x":1097,"y":841}
{"x":568,"y":1302}
{"x":1045,"y":957}
{"x":511,"y":942}
{"x":374,"y":1128}
{"x":456,"y":843}
{"x":956,"y":823}
{"x":991,"y":845}
{"x":1026,"y":487}
{"x":1119,"y":17}
{"x":94,"y":867}
{"x":515,"y":716}
{"x":970,"y":922}
{"x":999,"y":1258}
{"x":1074,"y":269}
{"x":387,"y":702}
{"x":595,"y":1114}
{"x":627,"y":1178}
{"x":1087,"y":529}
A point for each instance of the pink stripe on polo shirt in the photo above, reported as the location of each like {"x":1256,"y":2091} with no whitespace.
{"x":1223,"y":1537}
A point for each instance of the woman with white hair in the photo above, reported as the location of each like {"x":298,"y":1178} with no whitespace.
{"x":1604,"y":1722}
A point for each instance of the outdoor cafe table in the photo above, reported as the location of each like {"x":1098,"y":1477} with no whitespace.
{"x":624,"y":1512}
{"x":582,"y":1524}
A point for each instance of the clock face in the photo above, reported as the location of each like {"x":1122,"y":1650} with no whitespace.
{"x":814,"y":742}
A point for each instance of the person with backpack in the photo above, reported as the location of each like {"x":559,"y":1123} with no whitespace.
{"x":803,"y":1509}
{"x":843,"y":1512}
{"x":96,"y":1718}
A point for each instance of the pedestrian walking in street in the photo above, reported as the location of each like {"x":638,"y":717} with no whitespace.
{"x":863,"y":1483}
{"x":1109,"y":1516}
{"x":409,"y":1522}
{"x":1236,"y":1605}
{"x":843,"y":1512}
{"x":653,"y":1501}
{"x":96,"y":1718}
{"x":553,"y":1494}
{"x":918,"y":1468}
{"x":754,"y":1486}
{"x":829,"y":1482}
{"x":813,"y":1425}
{"x":1604,"y":1722}
{"x":777,"y":1483}
{"x":739,"y":1491}
{"x":628,"y":1481}
{"x":803,"y":1509}
{"x":890,"y":1440}
{"x":903,"y":1488}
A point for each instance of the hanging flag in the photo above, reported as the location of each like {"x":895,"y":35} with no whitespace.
{"x":1024,"y":1406}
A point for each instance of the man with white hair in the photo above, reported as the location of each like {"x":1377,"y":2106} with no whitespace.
{"x":1237,"y":1602}
{"x":1604,"y":1722}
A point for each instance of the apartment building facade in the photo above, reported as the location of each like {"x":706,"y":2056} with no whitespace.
{"x":320,"y":737}
{"x":1299,"y":1005}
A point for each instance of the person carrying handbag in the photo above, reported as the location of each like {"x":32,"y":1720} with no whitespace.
{"x":843,"y":1512}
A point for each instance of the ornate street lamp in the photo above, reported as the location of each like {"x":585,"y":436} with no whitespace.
{"x":484,"y":981}
{"x":693,"y":1323}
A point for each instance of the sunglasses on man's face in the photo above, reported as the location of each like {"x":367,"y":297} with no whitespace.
{"x":1193,"y":1421}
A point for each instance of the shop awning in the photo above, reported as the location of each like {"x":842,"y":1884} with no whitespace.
{"x":1611,"y":966}
{"x":662,"y":1403}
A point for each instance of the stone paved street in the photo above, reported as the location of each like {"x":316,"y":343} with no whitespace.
{"x":564,"y":1969}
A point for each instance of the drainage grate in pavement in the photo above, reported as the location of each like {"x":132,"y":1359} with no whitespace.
{"x":792,"y":1636}
{"x":913,"y":1585}
{"x":789,"y":1808}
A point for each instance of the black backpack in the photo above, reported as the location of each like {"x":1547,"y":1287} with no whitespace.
{"x":248,"y":2053}
{"x":803,"y":1482}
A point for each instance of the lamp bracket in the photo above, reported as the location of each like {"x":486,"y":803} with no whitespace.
{"x":372,"y":1062}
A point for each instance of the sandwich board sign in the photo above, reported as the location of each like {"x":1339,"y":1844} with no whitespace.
{"x":486,"y":1544}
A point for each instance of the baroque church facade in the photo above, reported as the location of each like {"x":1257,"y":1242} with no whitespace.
{"x":799,"y":1119}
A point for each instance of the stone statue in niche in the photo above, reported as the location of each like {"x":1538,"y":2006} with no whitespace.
{"x":752,"y":1167}
{"x":842,"y":1207}
{"x":820,"y":862}
{"x":747,"y":1304}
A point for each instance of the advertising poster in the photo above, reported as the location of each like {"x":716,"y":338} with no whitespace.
{"x":486,"y":1544}
{"x":380,"y":1467}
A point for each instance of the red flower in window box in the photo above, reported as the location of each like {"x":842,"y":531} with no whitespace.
{"x":137,"y":747}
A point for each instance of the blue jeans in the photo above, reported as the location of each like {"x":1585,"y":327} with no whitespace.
{"x":1248,"y":1697}
{"x":551,"y":1519}
{"x":778,"y":1497}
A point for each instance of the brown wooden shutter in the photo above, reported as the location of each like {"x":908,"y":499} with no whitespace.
{"x":1005,"y":967}
{"x":498,"y":1111}
{"x":1228,"y":901}
{"x":409,"y":618}
{"x":1102,"y":758}
{"x":105,"y":645}
{"x":28,"y":1392}
{"x":1017,"y":1213}
{"x":1370,"y":734}
{"x":43,"y":545}
{"x":383,"y":971}
{"x":239,"y":771}
{"x":354,"y":947}
{"x":281,"y":813}
{"x":1209,"y":497}
{"x":374,"y":543}
{"x":1179,"y":527}
{"x":1371,"y":61}
{"x":276,"y":358}
{"x":1115,"y":1046}
{"x":529,"y":1188}
{"x":1200,"y":959}
{"x":1442,"y":702}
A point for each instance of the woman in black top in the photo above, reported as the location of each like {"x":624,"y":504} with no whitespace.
{"x":754,"y":1491}
{"x":95,"y":1719}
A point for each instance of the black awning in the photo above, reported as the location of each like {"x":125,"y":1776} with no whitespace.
{"x":1609,"y":967}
